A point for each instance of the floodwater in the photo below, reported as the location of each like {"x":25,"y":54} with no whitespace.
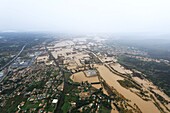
{"x":111,"y":79}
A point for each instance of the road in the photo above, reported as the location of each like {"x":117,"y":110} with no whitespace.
{"x":61,"y":99}
{"x":6,"y":65}
{"x":9,"y":63}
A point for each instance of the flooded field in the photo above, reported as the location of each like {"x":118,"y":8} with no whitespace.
{"x":111,"y":79}
{"x":120,"y":68}
{"x":80,"y":77}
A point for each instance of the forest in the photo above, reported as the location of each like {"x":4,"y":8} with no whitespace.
{"x":158,"y":73}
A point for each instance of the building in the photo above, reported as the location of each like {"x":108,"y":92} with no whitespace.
{"x":90,"y":73}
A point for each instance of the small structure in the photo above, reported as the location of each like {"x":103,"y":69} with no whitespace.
{"x":55,"y":101}
{"x":90,"y":73}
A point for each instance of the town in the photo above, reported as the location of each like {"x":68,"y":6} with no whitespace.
{"x":78,"y":74}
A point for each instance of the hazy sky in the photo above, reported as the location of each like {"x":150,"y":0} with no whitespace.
{"x":85,"y":15}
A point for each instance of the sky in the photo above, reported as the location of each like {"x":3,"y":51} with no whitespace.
{"x":85,"y":15}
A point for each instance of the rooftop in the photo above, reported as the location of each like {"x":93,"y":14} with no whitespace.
{"x":90,"y":73}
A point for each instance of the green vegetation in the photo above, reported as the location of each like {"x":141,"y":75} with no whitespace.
{"x":69,"y":93}
{"x":66,"y":107}
{"x":157,"y":104}
{"x":49,"y":107}
{"x":104,"y":110}
{"x":28,"y":105}
{"x":32,"y":100}
{"x":11,"y":44}
{"x":72,"y":101}
{"x":55,"y":73}
{"x":160,"y":98}
{"x":158,"y":73}
{"x":37,"y":85}
{"x":128,"y":84}
{"x":94,"y":59}
{"x":12,"y":103}
{"x":68,"y":98}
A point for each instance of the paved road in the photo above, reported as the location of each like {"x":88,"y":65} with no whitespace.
{"x":61,"y":99}
{"x":9,"y":63}
{"x":6,"y":65}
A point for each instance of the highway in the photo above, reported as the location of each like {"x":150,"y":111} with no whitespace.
{"x":9,"y":63}
{"x":6,"y":65}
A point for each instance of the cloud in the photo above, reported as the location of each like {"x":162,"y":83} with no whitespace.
{"x":85,"y":15}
